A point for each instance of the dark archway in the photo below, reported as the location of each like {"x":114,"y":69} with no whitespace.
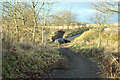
{"x":59,"y":34}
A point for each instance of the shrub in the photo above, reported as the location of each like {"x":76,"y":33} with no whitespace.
{"x":22,"y":61}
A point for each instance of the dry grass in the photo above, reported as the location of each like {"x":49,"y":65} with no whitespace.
{"x":25,"y":60}
{"x":106,"y":56}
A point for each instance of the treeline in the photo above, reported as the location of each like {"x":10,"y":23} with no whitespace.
{"x":20,"y":20}
{"x":25,"y":21}
{"x":21,"y":56}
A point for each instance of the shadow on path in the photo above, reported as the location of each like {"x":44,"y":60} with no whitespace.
{"x":77,"y":66}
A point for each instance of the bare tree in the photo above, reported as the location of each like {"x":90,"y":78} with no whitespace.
{"x":35,"y":15}
{"x":66,"y":17}
{"x":15,"y":12}
{"x":26,"y":17}
{"x":110,"y":7}
{"x":100,"y":19}
{"x":45,"y":14}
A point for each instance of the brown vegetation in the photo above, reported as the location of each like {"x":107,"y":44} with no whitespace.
{"x":106,"y":56}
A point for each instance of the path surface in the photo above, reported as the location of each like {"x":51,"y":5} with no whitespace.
{"x":73,"y":37}
{"x":70,"y":38}
{"x":77,"y":66}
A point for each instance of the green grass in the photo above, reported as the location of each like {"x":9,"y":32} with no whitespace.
{"x":76,"y":32}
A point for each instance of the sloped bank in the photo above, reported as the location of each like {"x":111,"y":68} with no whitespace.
{"x":21,"y":60}
{"x":106,"y":56}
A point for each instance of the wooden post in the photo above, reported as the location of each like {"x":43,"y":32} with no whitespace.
{"x":58,"y":45}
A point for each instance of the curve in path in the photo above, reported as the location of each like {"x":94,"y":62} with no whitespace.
{"x":73,"y":37}
{"x":78,"y":66}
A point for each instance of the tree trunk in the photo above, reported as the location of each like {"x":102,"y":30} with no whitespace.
{"x":42,"y":35}
{"x":17,"y":30}
{"x":99,"y":41}
{"x":35,"y":23}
